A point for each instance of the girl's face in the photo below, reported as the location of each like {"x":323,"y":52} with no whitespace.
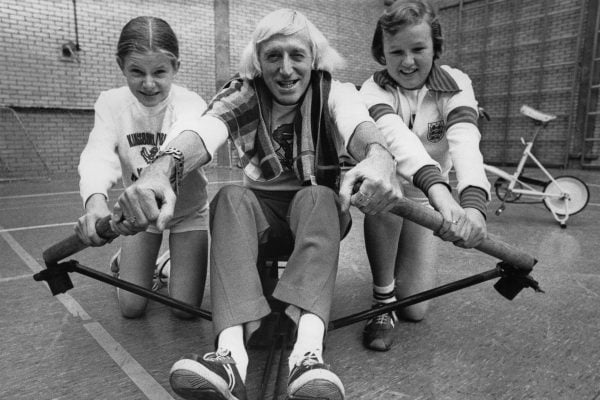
{"x":149,"y":76}
{"x":409,"y":55}
{"x":286,"y":64}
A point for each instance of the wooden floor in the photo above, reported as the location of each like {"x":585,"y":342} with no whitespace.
{"x":473,"y":345}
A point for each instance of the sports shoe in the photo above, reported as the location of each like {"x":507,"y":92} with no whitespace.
{"x":379,"y":332}
{"x":113,"y":264}
{"x":311,"y":379}
{"x":162,"y":271}
{"x":211,"y":377}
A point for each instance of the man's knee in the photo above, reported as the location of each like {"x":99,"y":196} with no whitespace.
{"x":316,"y":193}
{"x":229,"y":193}
{"x":227,"y":199}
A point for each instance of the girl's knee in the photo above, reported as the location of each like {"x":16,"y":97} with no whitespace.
{"x":182,"y":314}
{"x":132,"y":306}
{"x":414,"y":313}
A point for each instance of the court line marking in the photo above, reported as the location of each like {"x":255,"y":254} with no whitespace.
{"x":69,"y":302}
{"x":144,"y":381}
{"x":15,"y":278}
{"x":136,"y":373}
{"x":25,"y":196}
{"x":26,"y":228}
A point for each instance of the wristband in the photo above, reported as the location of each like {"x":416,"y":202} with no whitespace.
{"x":177,"y":174}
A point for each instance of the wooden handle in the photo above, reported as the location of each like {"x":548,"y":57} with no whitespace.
{"x":73,"y":244}
{"x":495,"y":247}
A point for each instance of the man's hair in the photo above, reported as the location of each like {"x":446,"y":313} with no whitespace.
{"x":288,"y":22}
{"x":405,"y":13}
{"x":147,"y":34}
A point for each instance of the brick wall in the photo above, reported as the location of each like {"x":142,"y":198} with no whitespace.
{"x":518,"y":53}
{"x":347,"y":24}
{"x":32,"y":33}
{"x":43,"y":142}
{"x":515,"y":52}
{"x":54,"y":98}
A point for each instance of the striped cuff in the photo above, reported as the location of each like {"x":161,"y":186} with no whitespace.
{"x":474,"y":197}
{"x":462,"y":114}
{"x":428,"y":176}
{"x":379,"y":110}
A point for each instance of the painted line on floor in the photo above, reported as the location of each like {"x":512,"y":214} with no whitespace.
{"x":26,"y":228}
{"x":26,"y":196}
{"x":31,"y":196}
{"x":70,"y":303}
{"x":138,"y":375}
{"x":144,"y":381}
{"x":15,"y":278}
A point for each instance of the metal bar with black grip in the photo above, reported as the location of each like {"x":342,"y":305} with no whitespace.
{"x":492,"y":246}
{"x":73,"y":244}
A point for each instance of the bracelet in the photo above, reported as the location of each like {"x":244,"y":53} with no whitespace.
{"x":177,"y":175}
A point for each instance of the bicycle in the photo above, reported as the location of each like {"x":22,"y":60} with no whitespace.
{"x":563,"y":196}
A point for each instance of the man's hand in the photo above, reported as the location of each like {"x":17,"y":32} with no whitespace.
{"x":378,"y":186}
{"x":467,"y":227}
{"x":150,"y":199}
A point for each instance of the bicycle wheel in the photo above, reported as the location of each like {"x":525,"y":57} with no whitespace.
{"x":501,"y":186}
{"x":575,"y":188}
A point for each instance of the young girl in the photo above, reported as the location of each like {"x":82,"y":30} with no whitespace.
{"x":131,"y":124}
{"x":437,"y":104}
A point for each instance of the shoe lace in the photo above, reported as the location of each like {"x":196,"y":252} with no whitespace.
{"x":160,"y":279}
{"x":218,"y":355}
{"x":310,"y":358}
{"x":387,"y":318}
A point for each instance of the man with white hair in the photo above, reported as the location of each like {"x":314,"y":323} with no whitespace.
{"x":289,"y":121}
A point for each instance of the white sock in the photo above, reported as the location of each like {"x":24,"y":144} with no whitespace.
{"x":384,"y":294}
{"x":311,"y":331}
{"x":232,"y":339}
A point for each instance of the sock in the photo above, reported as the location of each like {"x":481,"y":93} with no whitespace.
{"x":311,"y":331}
{"x":384,"y":294}
{"x":232,"y":339}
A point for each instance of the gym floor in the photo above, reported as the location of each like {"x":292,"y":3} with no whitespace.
{"x":473,"y":345}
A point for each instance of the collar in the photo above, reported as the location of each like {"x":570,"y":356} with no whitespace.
{"x":439,"y":80}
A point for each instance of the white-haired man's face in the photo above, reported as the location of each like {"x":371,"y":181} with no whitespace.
{"x":286,"y":64}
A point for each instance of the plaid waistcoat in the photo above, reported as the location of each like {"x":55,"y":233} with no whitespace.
{"x":245,"y":107}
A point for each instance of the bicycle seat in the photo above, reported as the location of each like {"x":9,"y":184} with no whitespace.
{"x":535,"y":114}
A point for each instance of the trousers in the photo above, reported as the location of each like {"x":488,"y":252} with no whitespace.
{"x":307,"y":222}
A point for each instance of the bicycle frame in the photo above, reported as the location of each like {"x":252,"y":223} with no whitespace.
{"x":524,"y":181}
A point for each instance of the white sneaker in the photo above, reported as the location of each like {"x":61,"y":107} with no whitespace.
{"x":162,"y":271}
{"x":310,"y":378}
{"x":113,"y":264}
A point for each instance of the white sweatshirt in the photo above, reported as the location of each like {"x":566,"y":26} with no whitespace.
{"x":442,"y":114}
{"x":126,"y":137}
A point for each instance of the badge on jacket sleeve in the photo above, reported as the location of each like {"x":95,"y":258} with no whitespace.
{"x":435,"y":131}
